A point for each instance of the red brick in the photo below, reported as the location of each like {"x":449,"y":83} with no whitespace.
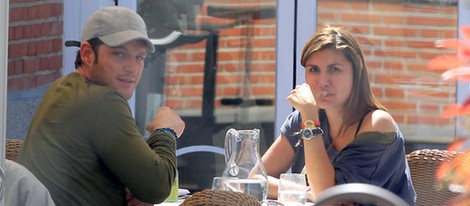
{"x":31,"y":65}
{"x":17,"y":50}
{"x":263,"y":90}
{"x":32,"y":48}
{"x":21,"y":1}
{"x":11,"y":68}
{"x":55,"y":62}
{"x":19,"y":65}
{"x":46,"y":78}
{"x":431,"y":21}
{"x":228,"y":91}
{"x":421,"y":119}
{"x":49,"y":10}
{"x":394,"y":93}
{"x":332,"y":4}
{"x":18,"y":14}
{"x":195,"y":80}
{"x":378,"y":7}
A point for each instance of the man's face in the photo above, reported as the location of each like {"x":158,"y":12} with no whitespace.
{"x":120,"y":67}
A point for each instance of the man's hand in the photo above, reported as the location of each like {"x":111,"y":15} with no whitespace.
{"x":133,"y":201}
{"x":166,"y":118}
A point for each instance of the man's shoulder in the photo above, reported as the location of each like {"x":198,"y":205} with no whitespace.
{"x":80,"y":85}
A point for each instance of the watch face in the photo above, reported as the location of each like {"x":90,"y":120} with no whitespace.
{"x":307,"y":133}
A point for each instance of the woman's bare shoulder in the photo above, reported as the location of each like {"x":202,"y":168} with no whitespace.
{"x":379,"y":121}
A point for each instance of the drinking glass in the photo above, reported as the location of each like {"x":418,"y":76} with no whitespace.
{"x":292,"y":189}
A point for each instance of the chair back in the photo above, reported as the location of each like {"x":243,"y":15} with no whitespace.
{"x":220,"y":197}
{"x":12,"y":148}
{"x":358,"y":194}
{"x":423,"y":166}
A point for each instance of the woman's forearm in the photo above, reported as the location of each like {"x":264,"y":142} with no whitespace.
{"x":320,"y":172}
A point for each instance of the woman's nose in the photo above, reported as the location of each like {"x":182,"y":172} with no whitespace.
{"x":324,"y":81}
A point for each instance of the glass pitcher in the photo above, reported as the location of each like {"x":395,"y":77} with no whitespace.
{"x":244,"y":168}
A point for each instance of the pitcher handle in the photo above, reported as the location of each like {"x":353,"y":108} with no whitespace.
{"x":228,"y":143}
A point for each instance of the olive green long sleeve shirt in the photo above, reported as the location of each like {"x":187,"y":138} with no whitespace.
{"x":84,"y":146}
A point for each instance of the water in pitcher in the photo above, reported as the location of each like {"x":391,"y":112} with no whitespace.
{"x":254,"y":187}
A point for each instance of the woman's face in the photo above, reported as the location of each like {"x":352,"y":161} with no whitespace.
{"x":330,"y":76}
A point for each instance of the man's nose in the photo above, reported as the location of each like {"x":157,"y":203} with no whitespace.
{"x":132,"y":65}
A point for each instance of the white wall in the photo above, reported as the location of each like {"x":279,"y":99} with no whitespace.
{"x":296,"y":22}
{"x":3,"y":79}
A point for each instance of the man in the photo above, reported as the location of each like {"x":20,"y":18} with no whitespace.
{"x":83,"y":144}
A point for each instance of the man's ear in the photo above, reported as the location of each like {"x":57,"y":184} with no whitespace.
{"x":87,"y":54}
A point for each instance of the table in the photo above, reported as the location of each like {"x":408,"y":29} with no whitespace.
{"x":181,"y":201}
{"x":170,"y":203}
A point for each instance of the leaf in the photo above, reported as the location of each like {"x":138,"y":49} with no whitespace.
{"x":452,"y":111}
{"x":448,"y":43}
{"x":457,"y":109}
{"x":444,"y":62}
{"x":460,"y":73}
{"x":465,"y":31}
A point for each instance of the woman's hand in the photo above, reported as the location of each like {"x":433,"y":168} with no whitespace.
{"x":302,"y":99}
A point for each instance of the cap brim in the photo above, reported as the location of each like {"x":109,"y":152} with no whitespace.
{"x":72,"y":43}
{"x":122,"y":37}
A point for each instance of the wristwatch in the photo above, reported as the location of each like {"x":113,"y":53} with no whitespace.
{"x":311,"y":129}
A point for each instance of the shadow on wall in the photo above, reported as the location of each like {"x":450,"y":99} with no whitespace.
{"x":21,"y":106}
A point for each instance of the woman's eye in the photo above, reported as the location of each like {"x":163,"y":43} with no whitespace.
{"x":314,"y":69}
{"x":335,"y":69}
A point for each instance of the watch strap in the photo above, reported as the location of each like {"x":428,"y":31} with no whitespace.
{"x":168,"y":131}
{"x":310,"y":124}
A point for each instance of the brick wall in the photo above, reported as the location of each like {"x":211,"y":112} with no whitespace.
{"x":34,"y":58}
{"x":35,"y":43}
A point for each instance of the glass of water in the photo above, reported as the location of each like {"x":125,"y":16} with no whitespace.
{"x":292,"y":189}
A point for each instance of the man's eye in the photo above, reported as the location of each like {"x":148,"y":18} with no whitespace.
{"x":140,"y":58}
{"x":118,"y":54}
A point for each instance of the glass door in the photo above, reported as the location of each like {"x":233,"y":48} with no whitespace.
{"x":215,"y":65}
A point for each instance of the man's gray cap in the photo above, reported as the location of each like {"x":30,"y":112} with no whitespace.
{"x":114,"y":26}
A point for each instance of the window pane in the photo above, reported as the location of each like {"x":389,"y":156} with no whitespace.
{"x":216,"y":67}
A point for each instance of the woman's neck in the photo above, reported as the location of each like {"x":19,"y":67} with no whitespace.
{"x":335,"y":121}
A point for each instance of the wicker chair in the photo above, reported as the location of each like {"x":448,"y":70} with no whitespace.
{"x":220,"y":197}
{"x":423,"y":165}
{"x":358,"y":194}
{"x":12,"y":148}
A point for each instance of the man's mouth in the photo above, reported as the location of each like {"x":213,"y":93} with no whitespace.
{"x":127,"y":80}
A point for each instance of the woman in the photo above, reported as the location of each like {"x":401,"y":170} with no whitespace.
{"x":339,"y":131}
